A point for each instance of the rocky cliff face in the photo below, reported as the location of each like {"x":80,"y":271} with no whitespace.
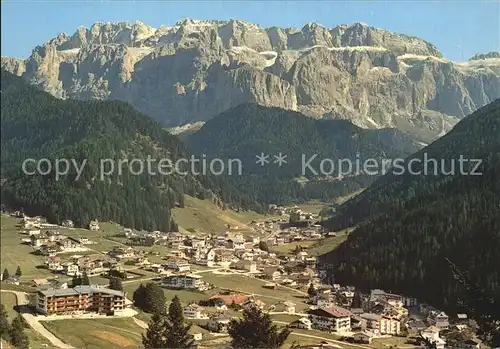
{"x":196,"y":69}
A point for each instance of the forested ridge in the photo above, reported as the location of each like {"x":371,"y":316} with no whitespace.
{"x":412,"y":229}
{"x":37,"y":125}
{"x":250,"y":129}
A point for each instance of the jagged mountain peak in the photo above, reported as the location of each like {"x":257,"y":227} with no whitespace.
{"x":197,"y":69}
{"x":130,"y":34}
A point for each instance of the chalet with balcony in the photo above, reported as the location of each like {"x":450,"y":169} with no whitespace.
{"x":333,"y":319}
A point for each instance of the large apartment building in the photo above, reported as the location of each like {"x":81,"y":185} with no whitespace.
{"x":332,"y":319}
{"x":80,"y":299}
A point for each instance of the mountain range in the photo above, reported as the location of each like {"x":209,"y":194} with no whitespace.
{"x":194,"y":70}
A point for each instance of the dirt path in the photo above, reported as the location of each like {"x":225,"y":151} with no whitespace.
{"x":329,"y":340}
{"x":321,"y":338}
{"x":140,"y":323}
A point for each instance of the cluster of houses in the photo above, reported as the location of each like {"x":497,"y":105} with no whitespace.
{"x":47,"y":240}
{"x":78,"y":265}
{"x":51,"y":243}
{"x":293,"y":212}
{"x":228,"y":250}
{"x":379,"y":314}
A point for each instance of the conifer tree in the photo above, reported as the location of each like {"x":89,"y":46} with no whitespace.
{"x":18,"y":271}
{"x":311,"y":291}
{"x":115,"y":284}
{"x":176,"y":331}
{"x":18,"y":338}
{"x":155,"y":299}
{"x":119,"y":285}
{"x":154,"y":337}
{"x":5,"y":274}
{"x":356,"y":300}
{"x":150,"y":298}
{"x":139,"y":296}
{"x":256,"y":330}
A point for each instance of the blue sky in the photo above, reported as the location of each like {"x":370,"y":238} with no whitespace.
{"x":459,"y":29}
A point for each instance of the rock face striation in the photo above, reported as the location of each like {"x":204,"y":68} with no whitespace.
{"x":195,"y":70}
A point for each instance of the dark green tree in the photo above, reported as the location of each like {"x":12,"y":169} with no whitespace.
{"x":85,"y":279}
{"x":18,"y":338}
{"x":154,"y":337}
{"x":18,"y":271}
{"x":139,"y":296}
{"x":356,"y":300}
{"x":263,"y":246}
{"x":5,"y":274}
{"x":256,"y":330}
{"x":115,"y":283}
{"x":311,"y":291}
{"x":176,"y":330}
{"x":76,"y":281}
{"x":150,"y":298}
{"x":155,"y":298}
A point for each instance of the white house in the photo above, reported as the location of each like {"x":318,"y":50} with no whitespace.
{"x":333,"y":319}
{"x":178,"y":265}
{"x":185,"y":281}
{"x":218,"y":322}
{"x":205,"y":262}
{"x":194,"y":311}
{"x":439,"y":319}
{"x":390,"y":326}
{"x":72,"y":269}
{"x":431,"y":333}
{"x":247,"y":265}
{"x":94,"y":225}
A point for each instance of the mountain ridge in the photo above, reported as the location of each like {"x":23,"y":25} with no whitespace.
{"x":195,"y":70}
{"x":248,"y":130}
